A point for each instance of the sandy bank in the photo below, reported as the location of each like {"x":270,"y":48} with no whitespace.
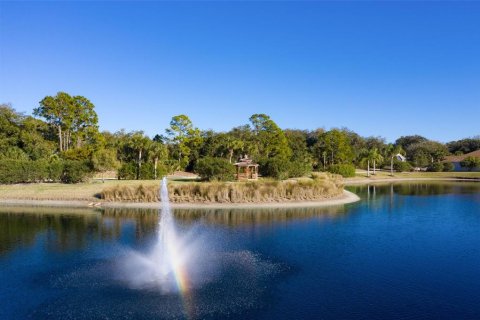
{"x":347,"y":197}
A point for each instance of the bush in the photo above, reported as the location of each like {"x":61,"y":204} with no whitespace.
{"x":75,"y":171}
{"x":400,"y":166}
{"x":435,"y":167}
{"x":215,"y":169}
{"x":25,"y":171}
{"x":470,"y":163}
{"x":147,"y":171}
{"x":55,"y":170}
{"x":448,"y":167}
{"x":127,"y":171}
{"x":299,"y":169}
{"x":345,"y":170}
{"x":276,"y":167}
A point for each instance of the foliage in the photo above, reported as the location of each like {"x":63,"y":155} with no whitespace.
{"x":27,"y":171}
{"x":448,"y":166}
{"x":73,"y":117}
{"x":269,"y":140}
{"x":333,"y":147}
{"x":470,"y":163}
{"x":400,"y":166}
{"x":215,"y":169}
{"x":127,"y":171}
{"x":75,"y":171}
{"x":105,"y":160}
{"x":436,"y":167}
{"x":345,"y":170}
{"x":406,"y":141}
{"x":464,"y":146}
{"x":67,"y":131}
{"x":184,"y":139}
{"x":425,"y":153}
{"x":275,"y":167}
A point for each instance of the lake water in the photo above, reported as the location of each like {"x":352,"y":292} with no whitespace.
{"x":406,"y":251}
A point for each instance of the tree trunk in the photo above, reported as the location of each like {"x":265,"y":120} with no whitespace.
{"x":60,"y":140}
{"x":391,"y":166}
{"x":231,"y":155}
{"x":374,"y":169}
{"x":155,"y":168}
{"x":139,"y":163}
{"x":368,"y":168}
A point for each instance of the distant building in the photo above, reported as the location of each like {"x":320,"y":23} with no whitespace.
{"x":400,"y":157}
{"x":246,"y":169}
{"x":455,"y":160}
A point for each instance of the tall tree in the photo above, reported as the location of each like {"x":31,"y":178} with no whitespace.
{"x":270,"y":140}
{"x":72,"y":117}
{"x":139,"y":143}
{"x":156,"y":152}
{"x":184,"y":137}
{"x":336,"y":145}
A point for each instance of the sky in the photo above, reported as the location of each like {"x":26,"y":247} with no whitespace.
{"x":379,"y":68}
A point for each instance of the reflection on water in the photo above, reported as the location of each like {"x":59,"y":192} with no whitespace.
{"x":407,"y":250}
{"x":69,"y":229}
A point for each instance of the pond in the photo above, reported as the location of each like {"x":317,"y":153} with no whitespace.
{"x":405,"y":251}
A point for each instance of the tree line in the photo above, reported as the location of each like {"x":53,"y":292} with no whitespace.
{"x":61,"y":141}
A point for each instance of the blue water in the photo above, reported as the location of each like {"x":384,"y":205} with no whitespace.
{"x":406,"y":251}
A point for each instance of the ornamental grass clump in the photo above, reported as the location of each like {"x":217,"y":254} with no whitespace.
{"x":320,"y":186}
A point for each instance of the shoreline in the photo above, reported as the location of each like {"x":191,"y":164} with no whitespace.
{"x":345,"y":198}
{"x":353,"y":181}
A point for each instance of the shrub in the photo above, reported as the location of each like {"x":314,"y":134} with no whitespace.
{"x":299,"y":169}
{"x":435,"y":167}
{"x":75,"y":171}
{"x":215,"y":169}
{"x":275,"y":167}
{"x":147,"y":171}
{"x":127,"y":171}
{"x":448,"y":166}
{"x":470,"y":163}
{"x":25,"y":171}
{"x":400,"y":166}
{"x":345,"y":170}
{"x":22,"y":171}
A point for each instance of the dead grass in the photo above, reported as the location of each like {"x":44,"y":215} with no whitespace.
{"x":321,"y":186}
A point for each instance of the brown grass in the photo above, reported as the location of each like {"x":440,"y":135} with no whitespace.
{"x":320,"y":186}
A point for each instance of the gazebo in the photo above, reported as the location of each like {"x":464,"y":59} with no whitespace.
{"x":246,"y":169}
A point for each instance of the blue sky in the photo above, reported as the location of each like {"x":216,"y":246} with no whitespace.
{"x":379,"y":68}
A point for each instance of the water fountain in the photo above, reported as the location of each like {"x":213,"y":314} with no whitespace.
{"x":165,"y":266}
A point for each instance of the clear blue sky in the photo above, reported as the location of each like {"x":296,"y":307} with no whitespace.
{"x":387,"y":69}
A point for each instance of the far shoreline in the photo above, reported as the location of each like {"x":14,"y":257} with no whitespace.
{"x":346,"y":198}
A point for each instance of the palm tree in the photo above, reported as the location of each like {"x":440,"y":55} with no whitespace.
{"x":375,"y":156}
{"x":392,"y":151}
{"x":366,"y":157}
{"x":156,"y":152}
{"x":139,"y":143}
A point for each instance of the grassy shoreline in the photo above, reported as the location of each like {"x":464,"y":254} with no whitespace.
{"x":86,"y":194}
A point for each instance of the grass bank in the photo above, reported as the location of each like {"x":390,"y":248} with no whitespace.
{"x":384,"y":176}
{"x":320,"y":186}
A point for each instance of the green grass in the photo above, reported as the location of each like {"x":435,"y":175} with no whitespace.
{"x":360,"y":175}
